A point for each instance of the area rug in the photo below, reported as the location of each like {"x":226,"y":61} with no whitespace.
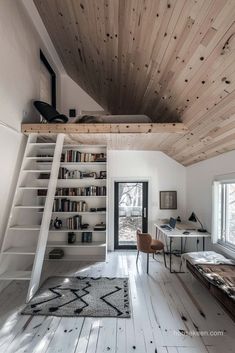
{"x":81,"y":296}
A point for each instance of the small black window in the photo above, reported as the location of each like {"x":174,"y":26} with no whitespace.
{"x":47,"y":82}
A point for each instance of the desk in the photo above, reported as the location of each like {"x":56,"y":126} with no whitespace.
{"x":178,"y":233}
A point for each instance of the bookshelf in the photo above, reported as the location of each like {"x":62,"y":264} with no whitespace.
{"x":80,"y":203}
{"x":56,"y":181}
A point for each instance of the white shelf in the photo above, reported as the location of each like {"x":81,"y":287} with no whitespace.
{"x":83,"y":197}
{"x":61,"y":244}
{"x":77,"y":213}
{"x":25,"y":227}
{"x":79,"y":147}
{"x":82,"y":179}
{"x":16,"y":275}
{"x":20,"y":251}
{"x":62,"y":164}
{"x":65,"y":230}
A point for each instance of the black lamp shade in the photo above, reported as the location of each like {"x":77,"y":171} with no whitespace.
{"x":193,"y":217}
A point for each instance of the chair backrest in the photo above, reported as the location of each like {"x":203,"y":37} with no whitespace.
{"x":143,"y":241}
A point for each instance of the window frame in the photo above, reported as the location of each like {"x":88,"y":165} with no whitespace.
{"x":219,"y":226}
{"x":52,"y":73}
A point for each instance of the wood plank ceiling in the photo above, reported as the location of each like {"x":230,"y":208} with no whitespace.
{"x":173,"y":60}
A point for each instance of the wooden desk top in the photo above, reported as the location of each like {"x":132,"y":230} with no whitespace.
{"x":178,"y":231}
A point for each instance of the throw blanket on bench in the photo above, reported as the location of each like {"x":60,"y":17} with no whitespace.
{"x":222,"y":276}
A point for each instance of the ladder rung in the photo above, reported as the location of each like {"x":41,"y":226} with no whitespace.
{"x":40,"y":158}
{"x":29,"y":207}
{"x":41,"y":144}
{"x":16,"y":275}
{"x":36,"y":171}
{"x":20,"y":251}
{"x":33,"y":187}
{"x":25,"y":227}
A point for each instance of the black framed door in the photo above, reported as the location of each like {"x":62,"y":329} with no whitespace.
{"x":130,"y":212}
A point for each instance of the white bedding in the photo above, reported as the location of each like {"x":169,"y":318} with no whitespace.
{"x":205,"y":257}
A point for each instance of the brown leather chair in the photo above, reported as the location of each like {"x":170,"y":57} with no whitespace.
{"x":146,"y":244}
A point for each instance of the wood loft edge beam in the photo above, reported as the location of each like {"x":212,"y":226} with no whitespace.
{"x":168,"y":128}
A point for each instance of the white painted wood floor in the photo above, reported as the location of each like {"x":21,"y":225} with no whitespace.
{"x":167,"y":310}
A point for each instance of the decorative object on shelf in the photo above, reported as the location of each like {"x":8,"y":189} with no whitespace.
{"x":84,"y":226}
{"x":84,"y":175}
{"x":57,"y":253}
{"x":103,"y":174}
{"x":194,"y":218}
{"x":86,"y":237}
{"x":92,"y":209}
{"x":168,"y":200}
{"x":178,"y":219}
{"x":57,"y":223}
{"x":100,"y":226}
{"x":71,"y":238}
{"x":49,"y":113}
{"x":101,"y":209}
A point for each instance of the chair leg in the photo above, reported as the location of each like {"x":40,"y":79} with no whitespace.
{"x":164,"y":256}
{"x":137,"y":257}
{"x":147,"y":263}
{"x":153,"y":255}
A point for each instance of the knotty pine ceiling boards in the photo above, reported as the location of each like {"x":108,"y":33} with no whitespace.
{"x":171,"y":60}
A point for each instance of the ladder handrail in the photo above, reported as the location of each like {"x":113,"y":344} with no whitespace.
{"x":46,"y":219}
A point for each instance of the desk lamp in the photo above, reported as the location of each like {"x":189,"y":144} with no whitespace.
{"x":194,"y":218}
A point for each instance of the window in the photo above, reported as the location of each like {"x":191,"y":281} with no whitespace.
{"x":47,"y":82}
{"x":224,"y":212}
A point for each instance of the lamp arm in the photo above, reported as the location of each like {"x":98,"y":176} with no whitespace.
{"x":199,"y":221}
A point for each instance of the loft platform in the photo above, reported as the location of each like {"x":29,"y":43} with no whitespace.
{"x":145,"y":128}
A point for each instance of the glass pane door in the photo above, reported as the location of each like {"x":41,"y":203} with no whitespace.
{"x":130,"y":212}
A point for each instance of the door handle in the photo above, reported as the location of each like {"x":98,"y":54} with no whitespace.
{"x":145,"y":212}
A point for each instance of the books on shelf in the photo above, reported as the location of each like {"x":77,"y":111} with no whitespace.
{"x":73,"y":156}
{"x":65,"y":173}
{"x":65,"y":205}
{"x":74,"y":222}
{"x":82,"y":191}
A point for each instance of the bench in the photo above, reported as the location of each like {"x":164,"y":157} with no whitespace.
{"x":217,"y":274}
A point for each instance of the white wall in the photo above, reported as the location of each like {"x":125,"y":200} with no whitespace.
{"x":73,"y":97}
{"x":199,"y":185}
{"x":162,"y":172}
{"x":19,"y":84}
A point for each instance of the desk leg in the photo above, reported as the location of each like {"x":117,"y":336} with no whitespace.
{"x":203,"y":243}
{"x":170,"y":253}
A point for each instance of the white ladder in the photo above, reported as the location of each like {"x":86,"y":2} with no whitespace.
{"x":24,"y":242}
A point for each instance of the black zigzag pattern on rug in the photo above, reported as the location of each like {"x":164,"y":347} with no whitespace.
{"x":81,"y":296}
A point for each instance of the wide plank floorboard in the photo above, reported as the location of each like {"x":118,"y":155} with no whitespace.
{"x":166,"y":314}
